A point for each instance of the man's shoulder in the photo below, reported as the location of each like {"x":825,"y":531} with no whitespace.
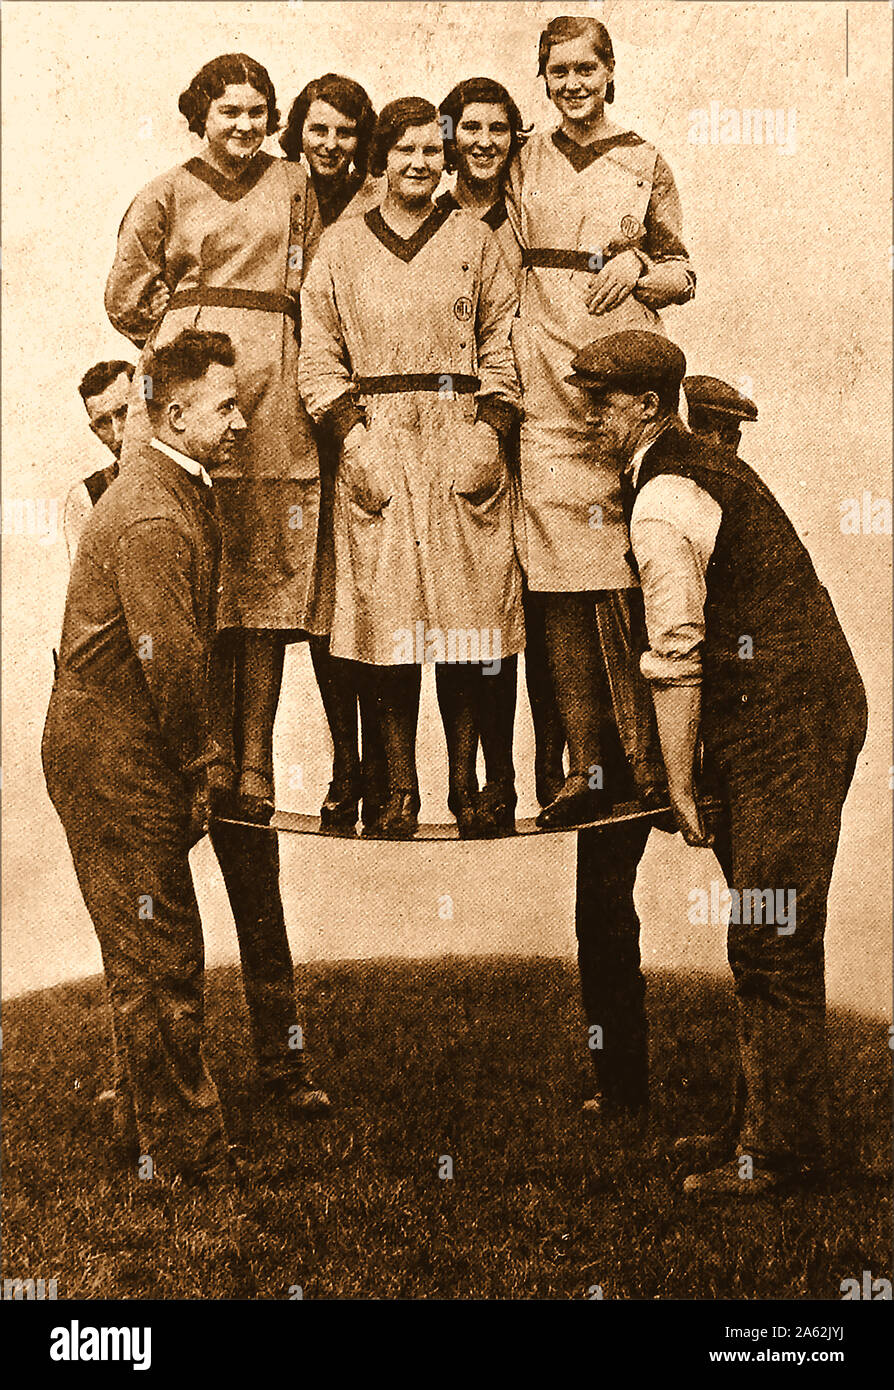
{"x":140,"y":493}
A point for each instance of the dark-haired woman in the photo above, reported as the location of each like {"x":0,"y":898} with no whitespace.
{"x":597,"y":213}
{"x":405,"y":351}
{"x":330,"y":124}
{"x":483,"y":131}
{"x":222,"y":242}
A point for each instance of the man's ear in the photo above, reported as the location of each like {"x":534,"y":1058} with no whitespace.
{"x":174,"y":414}
{"x":651,"y":405}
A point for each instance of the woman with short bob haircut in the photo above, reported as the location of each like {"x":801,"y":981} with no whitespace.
{"x":597,"y":213}
{"x":330,"y":123}
{"x":329,"y":129}
{"x":221,"y":243}
{"x":483,"y":132}
{"x":405,"y":353}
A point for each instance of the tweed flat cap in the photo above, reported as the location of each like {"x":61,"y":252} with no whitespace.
{"x":634,"y":361}
{"x":710,"y":394}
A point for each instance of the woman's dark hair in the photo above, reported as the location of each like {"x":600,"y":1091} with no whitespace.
{"x":567,"y":27}
{"x":482,"y":89}
{"x":394,"y":121}
{"x":346,"y":96}
{"x":211,"y":81}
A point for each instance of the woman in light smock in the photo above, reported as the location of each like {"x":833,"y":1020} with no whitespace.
{"x":483,"y":132}
{"x":405,"y":353}
{"x":329,"y":128}
{"x":222,"y":242}
{"x":598,"y":216}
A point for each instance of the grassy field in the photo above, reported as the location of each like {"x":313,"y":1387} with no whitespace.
{"x":479,"y":1060}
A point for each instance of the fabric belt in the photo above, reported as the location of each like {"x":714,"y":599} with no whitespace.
{"x":208,"y":297}
{"x":554,"y":259}
{"x":416,"y":381}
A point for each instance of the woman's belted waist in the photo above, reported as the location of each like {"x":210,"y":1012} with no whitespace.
{"x":443,"y":382}
{"x":207,"y":296}
{"x":555,"y":259}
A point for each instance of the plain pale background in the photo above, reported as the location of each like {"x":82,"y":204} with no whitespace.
{"x":793,"y":254}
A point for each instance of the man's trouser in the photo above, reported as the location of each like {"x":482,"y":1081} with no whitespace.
{"x":612,"y":982}
{"x":784,"y":779}
{"x":126,"y":816}
{"x":249,"y":861}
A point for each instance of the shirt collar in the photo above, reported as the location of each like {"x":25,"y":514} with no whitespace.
{"x":641,"y":450}
{"x":184,"y":460}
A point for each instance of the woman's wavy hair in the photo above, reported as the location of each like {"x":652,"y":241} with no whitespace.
{"x":566,"y":27}
{"x":394,"y":121}
{"x":211,"y":81}
{"x":348,"y":97}
{"x":482,"y":89}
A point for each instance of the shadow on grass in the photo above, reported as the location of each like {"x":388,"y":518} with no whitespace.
{"x":482,"y":1061}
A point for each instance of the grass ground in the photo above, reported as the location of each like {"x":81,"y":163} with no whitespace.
{"x":479,"y":1060}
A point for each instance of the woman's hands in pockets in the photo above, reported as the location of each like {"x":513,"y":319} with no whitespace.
{"x":479,"y":469}
{"x":364,"y":471}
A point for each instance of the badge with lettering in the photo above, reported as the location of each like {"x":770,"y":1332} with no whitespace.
{"x":463,"y":309}
{"x":632,"y":228}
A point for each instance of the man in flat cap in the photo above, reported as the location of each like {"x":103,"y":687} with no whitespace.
{"x":745,"y":654}
{"x":716,"y":410}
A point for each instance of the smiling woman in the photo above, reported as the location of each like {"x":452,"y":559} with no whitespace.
{"x":405,"y":354}
{"x":221,"y":243}
{"x":597,"y":213}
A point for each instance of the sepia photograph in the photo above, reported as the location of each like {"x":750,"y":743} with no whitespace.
{"x":446,"y":662}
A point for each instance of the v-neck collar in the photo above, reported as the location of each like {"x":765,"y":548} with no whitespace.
{"x":231,"y":189}
{"x":493,"y":218}
{"x":405,"y":248}
{"x":580,"y":157}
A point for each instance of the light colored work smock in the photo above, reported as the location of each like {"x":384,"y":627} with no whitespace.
{"x":571,"y":205}
{"x":196,"y":249}
{"x":416,"y":333}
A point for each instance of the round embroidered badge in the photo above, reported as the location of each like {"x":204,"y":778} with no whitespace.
{"x":463,"y":308}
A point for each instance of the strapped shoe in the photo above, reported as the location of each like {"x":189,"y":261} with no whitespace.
{"x":340,"y":809}
{"x":400,"y":818}
{"x":496,"y":808}
{"x":576,"y":804}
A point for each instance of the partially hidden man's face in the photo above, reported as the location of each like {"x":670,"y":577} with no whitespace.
{"x":576,"y":79}
{"x":483,"y":138}
{"x":329,"y":140}
{"x":415,"y":164}
{"x":205,"y":417}
{"x":617,"y":421}
{"x":236,"y":123}
{"x":107,"y":413}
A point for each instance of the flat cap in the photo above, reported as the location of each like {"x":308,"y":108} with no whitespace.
{"x":711,"y":394}
{"x":634,"y":361}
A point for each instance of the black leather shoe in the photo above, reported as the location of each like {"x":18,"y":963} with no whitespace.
{"x":400,"y":818}
{"x":738,"y":1181}
{"x":464,"y":806}
{"x":549,"y":779}
{"x":576,"y":804}
{"x":496,"y":808}
{"x":340,"y":809}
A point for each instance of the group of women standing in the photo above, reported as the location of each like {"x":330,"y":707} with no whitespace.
{"x":415,"y":460}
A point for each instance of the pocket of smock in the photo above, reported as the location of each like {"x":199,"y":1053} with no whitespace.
{"x":365,"y":474}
